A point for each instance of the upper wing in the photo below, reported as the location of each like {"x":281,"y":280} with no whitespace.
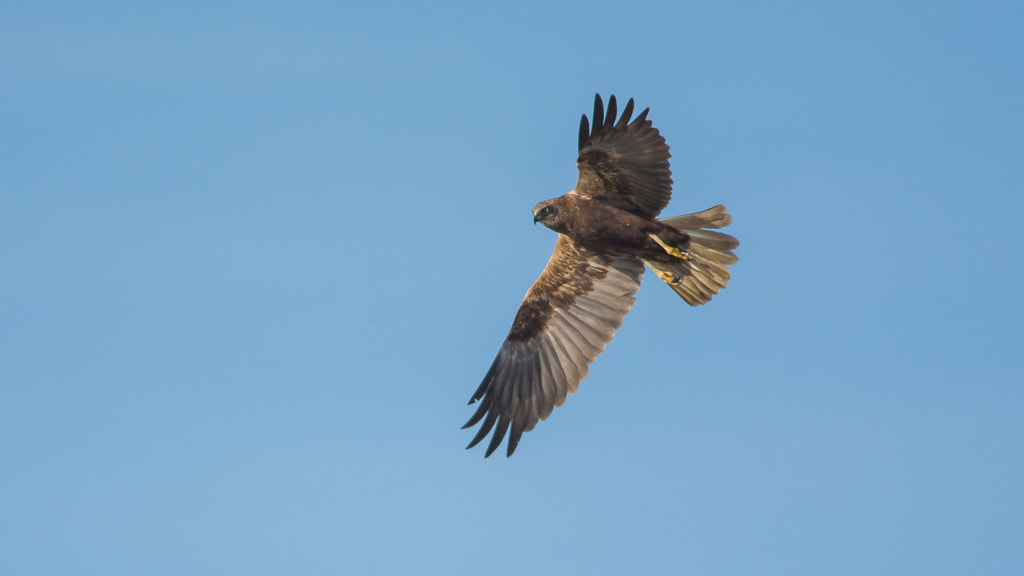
{"x":565,"y":321}
{"x":624,"y":164}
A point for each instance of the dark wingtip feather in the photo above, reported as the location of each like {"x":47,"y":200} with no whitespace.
{"x":499,"y":435}
{"x":642,"y":117}
{"x":513,"y":438}
{"x":598,"y":113}
{"x":609,"y":118}
{"x":486,"y":383}
{"x":627,"y":113}
{"x":584,"y":131}
{"x":484,"y":429}
{"x":480,"y":411}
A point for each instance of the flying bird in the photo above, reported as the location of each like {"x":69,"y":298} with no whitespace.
{"x":607,"y":230}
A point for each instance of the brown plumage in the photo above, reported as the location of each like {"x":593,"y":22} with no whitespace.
{"x":607,"y":229}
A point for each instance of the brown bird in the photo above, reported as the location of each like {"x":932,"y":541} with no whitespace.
{"x":607,"y":231}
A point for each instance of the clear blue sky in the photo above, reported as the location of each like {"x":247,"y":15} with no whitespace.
{"x":254,"y":260}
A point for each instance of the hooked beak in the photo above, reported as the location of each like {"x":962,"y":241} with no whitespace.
{"x":535,"y":219}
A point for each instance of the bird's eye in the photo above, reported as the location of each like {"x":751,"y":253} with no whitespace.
{"x":545,"y":211}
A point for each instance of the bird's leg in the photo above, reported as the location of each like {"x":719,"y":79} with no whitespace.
{"x":668,"y":277}
{"x":665,"y":275}
{"x":681,"y":254}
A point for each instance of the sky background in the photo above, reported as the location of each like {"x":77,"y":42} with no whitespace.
{"x":255,"y":258}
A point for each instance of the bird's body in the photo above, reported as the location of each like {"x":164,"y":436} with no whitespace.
{"x":607,"y":230}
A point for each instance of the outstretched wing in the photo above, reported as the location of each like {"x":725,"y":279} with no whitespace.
{"x":565,"y":321}
{"x":624,"y":164}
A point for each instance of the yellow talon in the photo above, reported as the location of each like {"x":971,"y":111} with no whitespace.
{"x":682,"y":255}
{"x":667,"y":277}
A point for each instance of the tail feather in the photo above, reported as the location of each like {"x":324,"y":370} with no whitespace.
{"x":714,"y":217}
{"x":705,"y":272}
{"x":714,"y":240}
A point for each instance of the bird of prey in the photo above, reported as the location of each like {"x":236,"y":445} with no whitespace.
{"x":607,"y":230}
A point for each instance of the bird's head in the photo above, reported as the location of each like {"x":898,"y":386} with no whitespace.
{"x":548,"y":214}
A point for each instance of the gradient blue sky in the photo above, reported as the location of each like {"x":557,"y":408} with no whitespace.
{"x":255,"y":259}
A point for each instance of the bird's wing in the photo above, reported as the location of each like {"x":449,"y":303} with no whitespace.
{"x":623,"y":163}
{"x":568,"y":316}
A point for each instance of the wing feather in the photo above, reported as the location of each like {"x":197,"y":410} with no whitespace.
{"x":485,"y":428}
{"x":551,"y":372}
{"x":626,"y":114}
{"x":569,"y":358}
{"x":566,"y":320}
{"x":609,"y":119}
{"x":586,"y":339}
{"x":499,"y":435}
{"x":584,"y":324}
{"x":598,"y":113}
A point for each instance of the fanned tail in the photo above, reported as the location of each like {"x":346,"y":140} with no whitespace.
{"x":698,"y":278}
